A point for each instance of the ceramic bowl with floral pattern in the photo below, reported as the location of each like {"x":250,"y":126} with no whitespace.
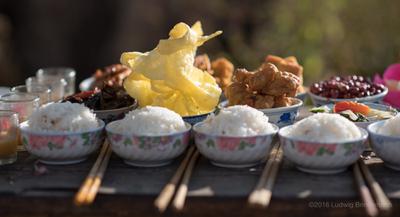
{"x":61,"y":148}
{"x":385,"y":146}
{"x":234,"y":152}
{"x":322,"y":157}
{"x":148,"y":151}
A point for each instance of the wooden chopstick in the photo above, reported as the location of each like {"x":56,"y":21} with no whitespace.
{"x":366,"y":196}
{"x":261,"y":195}
{"x":168,"y":191}
{"x":381,"y":199}
{"x":180,"y":197}
{"x":80,"y":197}
{"x":98,"y":178}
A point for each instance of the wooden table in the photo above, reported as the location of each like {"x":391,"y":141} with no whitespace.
{"x":213,"y":191}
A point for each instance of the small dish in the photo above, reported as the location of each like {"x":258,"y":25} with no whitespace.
{"x":61,"y":148}
{"x":192,"y":120}
{"x":114,"y":114}
{"x":302,"y":96}
{"x":385,"y":146}
{"x":148,"y":151}
{"x":234,"y":152}
{"x":319,"y":100}
{"x":377,"y":106}
{"x":319,"y":157}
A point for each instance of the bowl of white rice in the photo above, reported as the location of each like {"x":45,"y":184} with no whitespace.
{"x":149,"y":137}
{"x":385,"y":139}
{"x":62,"y":133}
{"x":238,"y":136}
{"x":281,"y":116}
{"x":323,"y":143}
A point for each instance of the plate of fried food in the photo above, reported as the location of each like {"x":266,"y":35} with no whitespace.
{"x":268,"y":89}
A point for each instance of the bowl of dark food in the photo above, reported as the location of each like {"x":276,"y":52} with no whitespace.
{"x":362,"y":114}
{"x":348,"y":88}
{"x":109,"y":104}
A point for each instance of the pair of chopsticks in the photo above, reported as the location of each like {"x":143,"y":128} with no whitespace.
{"x":364,"y":179}
{"x":261,"y":195}
{"x":183,"y":172}
{"x":91,"y":185}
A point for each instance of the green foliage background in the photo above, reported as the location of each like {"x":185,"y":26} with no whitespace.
{"x":328,"y":37}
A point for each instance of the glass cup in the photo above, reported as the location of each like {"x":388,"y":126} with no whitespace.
{"x":56,"y":84}
{"x":9,"y":136}
{"x":42,"y":91}
{"x":22,"y":103}
{"x":4,"y":90}
{"x":69,"y":74}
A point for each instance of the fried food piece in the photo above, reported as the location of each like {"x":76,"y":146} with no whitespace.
{"x":203,"y":62}
{"x":239,"y":94}
{"x":263,"y":77}
{"x":223,"y":71}
{"x":166,"y":75}
{"x":282,"y":101}
{"x":112,"y":75}
{"x":270,"y":81}
{"x":288,"y":64}
{"x":242,"y":75}
{"x":264,"y":101}
{"x":267,"y":87}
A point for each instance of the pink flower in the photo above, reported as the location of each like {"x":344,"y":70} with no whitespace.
{"x":330,"y":147}
{"x":391,"y":78}
{"x":38,"y":142}
{"x":116,"y":137}
{"x":229,"y":144}
{"x":165,"y":140}
{"x":307,"y":148}
{"x":186,"y":138}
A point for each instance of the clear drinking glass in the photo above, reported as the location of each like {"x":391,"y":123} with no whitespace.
{"x":9,"y":137}
{"x":42,"y":91}
{"x":22,"y":103}
{"x":69,"y":74}
{"x":56,"y":84}
{"x":4,"y":90}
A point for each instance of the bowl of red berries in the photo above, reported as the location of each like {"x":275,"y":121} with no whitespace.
{"x":346,"y":88}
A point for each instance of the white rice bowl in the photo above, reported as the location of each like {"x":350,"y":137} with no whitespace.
{"x":150,"y":121}
{"x":62,"y":117}
{"x":391,"y":127}
{"x":238,"y":120}
{"x":325,"y":128}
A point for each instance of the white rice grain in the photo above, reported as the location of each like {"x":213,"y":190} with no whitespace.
{"x":62,"y":117}
{"x":325,"y":128}
{"x":239,"y":120}
{"x":151,"y":121}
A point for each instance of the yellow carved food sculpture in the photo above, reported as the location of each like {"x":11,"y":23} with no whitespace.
{"x":166,"y":76}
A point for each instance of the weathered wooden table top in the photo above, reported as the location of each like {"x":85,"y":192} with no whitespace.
{"x":213,"y":191}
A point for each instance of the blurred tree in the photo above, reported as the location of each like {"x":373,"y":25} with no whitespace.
{"x":328,"y":37}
